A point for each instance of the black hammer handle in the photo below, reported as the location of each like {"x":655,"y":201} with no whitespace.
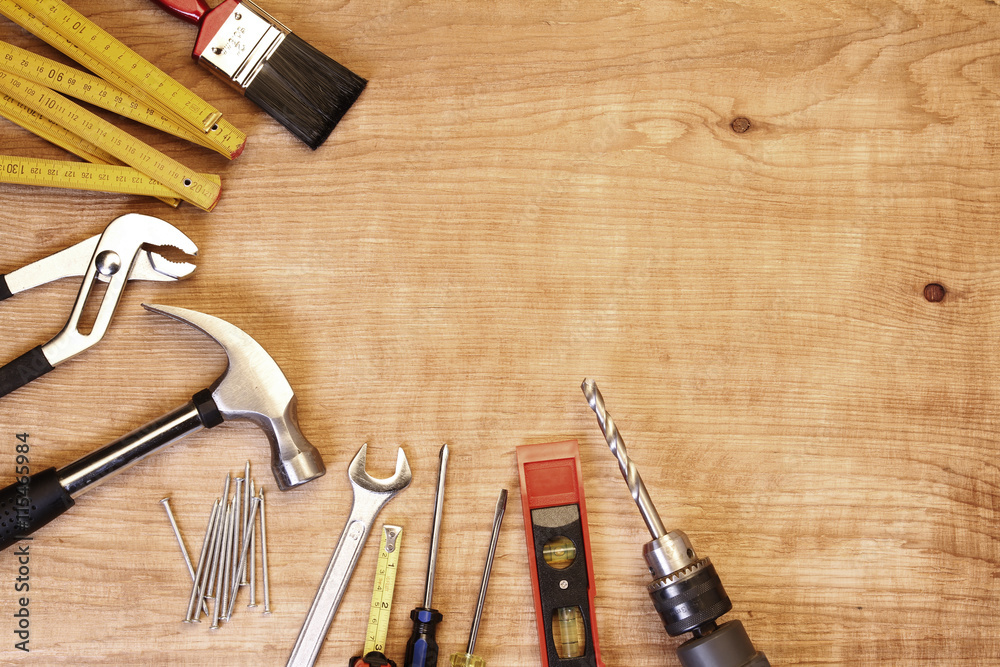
{"x":29,"y":504}
{"x":29,"y":366}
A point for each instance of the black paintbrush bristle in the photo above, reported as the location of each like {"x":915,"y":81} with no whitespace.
{"x":305,"y":90}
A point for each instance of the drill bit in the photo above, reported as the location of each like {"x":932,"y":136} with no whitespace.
{"x":686,"y":590}
{"x":629,"y":471}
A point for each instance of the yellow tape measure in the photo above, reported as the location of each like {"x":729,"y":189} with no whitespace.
{"x":82,"y":176}
{"x":385,"y":581}
{"x":129,"y":66}
{"x":86,"y":87}
{"x":182,"y":181}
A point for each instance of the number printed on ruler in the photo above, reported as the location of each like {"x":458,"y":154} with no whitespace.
{"x":221,"y":137}
{"x":189,"y":185}
{"x":101,"y":45}
{"x":80,"y":85}
{"x":81,"y":176}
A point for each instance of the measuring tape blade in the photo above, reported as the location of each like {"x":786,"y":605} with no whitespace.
{"x":95,"y":90}
{"x":185,"y":183}
{"x":222,"y":137}
{"x":117,"y":179}
{"x":132,"y":67}
{"x":385,"y":582}
{"x":59,"y":136}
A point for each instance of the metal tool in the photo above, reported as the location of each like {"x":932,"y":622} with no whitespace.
{"x":120,"y":254}
{"x":244,"y":524}
{"x":221,"y":556}
{"x":422,"y":648}
{"x":197,"y":600}
{"x":686,"y":590}
{"x":559,"y":554}
{"x":370,"y":496}
{"x":263,"y":552}
{"x":180,"y":541}
{"x":252,"y":388}
{"x":242,"y":558}
{"x":381,"y":606}
{"x":468,"y":659}
{"x":252,"y":527}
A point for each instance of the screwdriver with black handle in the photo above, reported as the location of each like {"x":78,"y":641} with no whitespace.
{"x":422,"y":648}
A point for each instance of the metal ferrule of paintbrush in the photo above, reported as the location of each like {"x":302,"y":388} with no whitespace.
{"x":235,"y":38}
{"x":302,"y":88}
{"x":238,"y":49}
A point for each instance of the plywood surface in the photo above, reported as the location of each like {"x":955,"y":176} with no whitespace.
{"x":528,"y":194}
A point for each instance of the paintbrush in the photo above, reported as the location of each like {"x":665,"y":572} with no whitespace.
{"x":299,"y":86}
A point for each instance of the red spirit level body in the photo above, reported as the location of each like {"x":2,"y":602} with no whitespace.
{"x":562,"y":569}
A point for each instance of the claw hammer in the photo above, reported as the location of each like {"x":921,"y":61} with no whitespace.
{"x":251,"y":388}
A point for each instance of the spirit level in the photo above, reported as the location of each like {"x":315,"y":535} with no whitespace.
{"x":562,"y":570}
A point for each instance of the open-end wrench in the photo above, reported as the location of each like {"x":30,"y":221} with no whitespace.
{"x":370,"y":496}
{"x":117,"y":256}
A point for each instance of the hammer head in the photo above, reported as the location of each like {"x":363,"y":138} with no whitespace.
{"x":255,"y":389}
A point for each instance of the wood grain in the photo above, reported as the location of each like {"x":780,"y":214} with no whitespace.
{"x":528,"y":194}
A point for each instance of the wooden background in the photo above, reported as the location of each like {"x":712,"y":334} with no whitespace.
{"x":528,"y":194}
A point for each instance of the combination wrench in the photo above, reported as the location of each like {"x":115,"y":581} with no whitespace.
{"x":370,"y":496}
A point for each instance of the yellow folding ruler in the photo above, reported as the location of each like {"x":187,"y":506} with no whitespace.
{"x":76,"y":36}
{"x":77,"y":29}
{"x":182,"y":181}
{"x":385,"y":582}
{"x":83,"y":176}
{"x":94,"y":90}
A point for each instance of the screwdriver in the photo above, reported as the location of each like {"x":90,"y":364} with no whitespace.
{"x":422,"y":648}
{"x":467,"y":659}
{"x":686,"y":590}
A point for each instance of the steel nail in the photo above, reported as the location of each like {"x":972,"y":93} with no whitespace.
{"x":227,"y":553}
{"x":238,"y":520}
{"x":244,"y":526}
{"x":191,"y":616}
{"x":180,"y":541}
{"x":216,"y":609}
{"x":243,"y":557}
{"x":215,"y":566}
{"x":263,"y":552}
{"x":253,"y":553}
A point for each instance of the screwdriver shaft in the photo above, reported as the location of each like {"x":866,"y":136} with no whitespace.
{"x":629,"y":471}
{"x":497,"y":520}
{"x":436,"y":526}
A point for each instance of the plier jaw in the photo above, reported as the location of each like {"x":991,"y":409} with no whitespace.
{"x":120,"y":254}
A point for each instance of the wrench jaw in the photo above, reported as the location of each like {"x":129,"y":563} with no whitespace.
{"x":399,"y":480}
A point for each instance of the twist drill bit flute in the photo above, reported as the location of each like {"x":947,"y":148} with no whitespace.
{"x":686,"y":590}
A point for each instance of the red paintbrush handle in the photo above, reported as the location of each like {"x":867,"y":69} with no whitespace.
{"x":191,"y":11}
